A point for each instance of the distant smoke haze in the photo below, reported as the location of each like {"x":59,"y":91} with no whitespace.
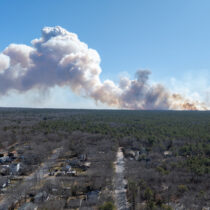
{"x":59,"y":58}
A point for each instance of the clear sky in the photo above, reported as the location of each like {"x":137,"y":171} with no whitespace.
{"x":170,"y":38}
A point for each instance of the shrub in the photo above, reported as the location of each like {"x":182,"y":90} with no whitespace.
{"x":107,"y":206}
{"x":182,"y":188}
{"x":148,"y":194}
{"x":162,"y":171}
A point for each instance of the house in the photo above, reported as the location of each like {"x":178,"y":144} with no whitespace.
{"x":51,"y":173}
{"x":167,"y":153}
{"x":5,"y":170}
{"x":137,"y":155}
{"x":71,"y":173}
{"x":66,"y":168}
{"x":83,"y":157}
{"x":17,"y":169}
{"x":40,"y":197}
{"x":93,"y":197}
{"x":27,"y":147}
{"x":5,"y":159}
{"x":83,"y":167}
{"x":87,"y":164}
{"x":129,"y":153}
{"x":12,"y":155}
{"x":59,"y":173}
{"x":132,"y":154}
{"x":74,"y":162}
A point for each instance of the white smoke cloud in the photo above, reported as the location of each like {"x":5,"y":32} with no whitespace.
{"x":4,"y":63}
{"x":59,"y":58}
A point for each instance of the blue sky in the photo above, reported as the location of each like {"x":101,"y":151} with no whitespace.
{"x":171,"y":38}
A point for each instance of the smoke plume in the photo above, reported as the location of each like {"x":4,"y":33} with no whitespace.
{"x":59,"y":58}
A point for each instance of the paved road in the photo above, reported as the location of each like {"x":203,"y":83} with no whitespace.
{"x":19,"y":191}
{"x":120,"y":182}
